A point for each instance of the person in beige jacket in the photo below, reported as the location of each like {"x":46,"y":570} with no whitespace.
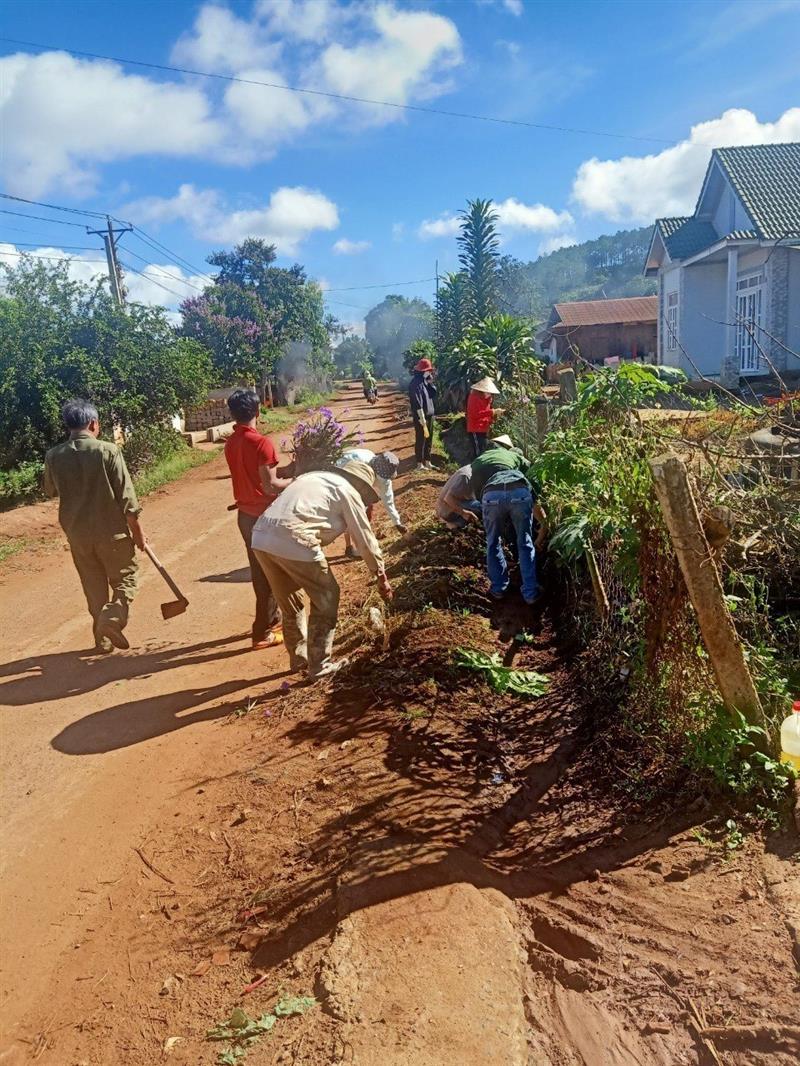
{"x":288,"y":541}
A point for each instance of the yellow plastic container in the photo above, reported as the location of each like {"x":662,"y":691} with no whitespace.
{"x":790,"y":737}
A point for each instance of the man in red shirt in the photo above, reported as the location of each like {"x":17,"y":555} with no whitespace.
{"x":252,"y":461}
{"x":479,"y":412}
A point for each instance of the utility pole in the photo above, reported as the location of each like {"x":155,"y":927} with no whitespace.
{"x":110,"y":237}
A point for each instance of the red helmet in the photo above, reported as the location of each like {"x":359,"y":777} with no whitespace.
{"x":424,"y":364}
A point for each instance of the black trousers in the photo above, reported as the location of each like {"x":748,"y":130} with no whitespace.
{"x":423,"y":444}
{"x":478,"y":443}
{"x":267,"y":612}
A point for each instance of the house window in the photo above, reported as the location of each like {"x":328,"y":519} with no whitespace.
{"x":749,"y":310}
{"x":672,"y":321}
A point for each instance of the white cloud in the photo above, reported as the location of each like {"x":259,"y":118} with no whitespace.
{"x":400,"y":62}
{"x":552,"y":244}
{"x":62,"y":117}
{"x":346,"y":247}
{"x":513,"y":216}
{"x":302,"y":20}
{"x":291,"y":215}
{"x":445,"y":226}
{"x":398,"y":231}
{"x":221,"y":42}
{"x":155,"y":285}
{"x":513,"y":7}
{"x":638,"y":189}
{"x":265,"y":116}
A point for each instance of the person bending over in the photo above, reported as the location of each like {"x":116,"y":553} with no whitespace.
{"x":385,"y":465}
{"x":500,"y":481}
{"x":288,"y":541}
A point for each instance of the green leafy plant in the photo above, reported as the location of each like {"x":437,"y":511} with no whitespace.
{"x":730,"y":750}
{"x":502,"y":678}
{"x":241,"y":1031}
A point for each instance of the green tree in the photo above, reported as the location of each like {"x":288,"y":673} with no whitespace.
{"x":453,"y":312}
{"x":350,"y":354}
{"x":60,"y":338}
{"x":416,"y":351}
{"x":394,"y":324}
{"x":255,"y":310}
{"x":478,"y":254}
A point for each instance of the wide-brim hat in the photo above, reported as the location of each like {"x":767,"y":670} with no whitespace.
{"x":362,"y":477}
{"x":486,"y":385}
{"x":505,"y":440}
{"x":424,"y":364}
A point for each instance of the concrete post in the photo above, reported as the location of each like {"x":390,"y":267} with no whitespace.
{"x":705,"y":587}
{"x":568,"y":386}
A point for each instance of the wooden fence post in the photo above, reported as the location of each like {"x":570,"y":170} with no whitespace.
{"x":542,"y":418}
{"x":705,"y":588}
{"x":568,"y":385}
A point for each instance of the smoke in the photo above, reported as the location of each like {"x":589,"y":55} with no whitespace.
{"x":397,"y":326}
{"x":293,"y":371}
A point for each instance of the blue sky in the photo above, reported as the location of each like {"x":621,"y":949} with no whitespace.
{"x":363,"y":194}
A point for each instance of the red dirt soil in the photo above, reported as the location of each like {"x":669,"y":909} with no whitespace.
{"x":438,"y":864}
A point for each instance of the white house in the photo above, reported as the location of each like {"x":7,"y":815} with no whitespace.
{"x":729,"y":275}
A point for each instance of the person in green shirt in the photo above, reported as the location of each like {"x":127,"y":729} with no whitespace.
{"x":501,"y":481}
{"x":99,"y":513}
{"x":368,"y":383}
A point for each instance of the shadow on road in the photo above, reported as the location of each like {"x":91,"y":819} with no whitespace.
{"x":232,"y":577}
{"x":41,"y":678}
{"x":138,"y":720}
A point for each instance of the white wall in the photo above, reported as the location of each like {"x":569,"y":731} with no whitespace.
{"x":669,"y":280}
{"x":703,"y":308}
{"x":730,"y":215}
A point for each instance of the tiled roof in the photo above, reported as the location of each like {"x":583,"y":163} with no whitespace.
{"x":606,"y":312}
{"x":685,"y":236}
{"x":766,"y":178}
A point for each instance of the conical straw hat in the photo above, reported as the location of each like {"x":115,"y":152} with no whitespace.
{"x":486,"y":385}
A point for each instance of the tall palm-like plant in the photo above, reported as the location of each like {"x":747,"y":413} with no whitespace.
{"x":452,"y":312}
{"x":479,"y":255}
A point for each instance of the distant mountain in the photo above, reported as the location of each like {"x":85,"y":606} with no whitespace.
{"x":605,"y":267}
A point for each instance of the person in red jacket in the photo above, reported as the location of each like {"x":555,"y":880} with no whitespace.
{"x":480,"y":414}
{"x":253,"y":463}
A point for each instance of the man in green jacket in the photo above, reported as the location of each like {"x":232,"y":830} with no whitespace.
{"x":99,"y":512}
{"x":501,"y":481}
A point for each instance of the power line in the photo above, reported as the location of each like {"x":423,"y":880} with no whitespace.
{"x":41,"y":218}
{"x":149,"y":277}
{"x":341,"y":96}
{"x":177,"y":259}
{"x":165,"y":273}
{"x":60,"y":247}
{"x":387,"y":285}
{"x":54,"y":258}
{"x":54,"y":207}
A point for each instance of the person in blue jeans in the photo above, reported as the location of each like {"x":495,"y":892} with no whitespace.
{"x":508,"y":504}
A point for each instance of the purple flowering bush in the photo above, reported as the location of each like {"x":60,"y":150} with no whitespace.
{"x":320,"y":441}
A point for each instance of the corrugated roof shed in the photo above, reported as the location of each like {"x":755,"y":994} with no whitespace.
{"x":766,"y":178}
{"x":607,"y":312}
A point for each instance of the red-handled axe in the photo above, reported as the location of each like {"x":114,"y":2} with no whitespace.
{"x":174,"y":607}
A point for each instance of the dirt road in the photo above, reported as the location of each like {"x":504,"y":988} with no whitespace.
{"x":96,"y":753}
{"x":446,"y":868}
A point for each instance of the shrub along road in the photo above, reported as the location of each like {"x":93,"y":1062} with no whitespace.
{"x":444,"y":866}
